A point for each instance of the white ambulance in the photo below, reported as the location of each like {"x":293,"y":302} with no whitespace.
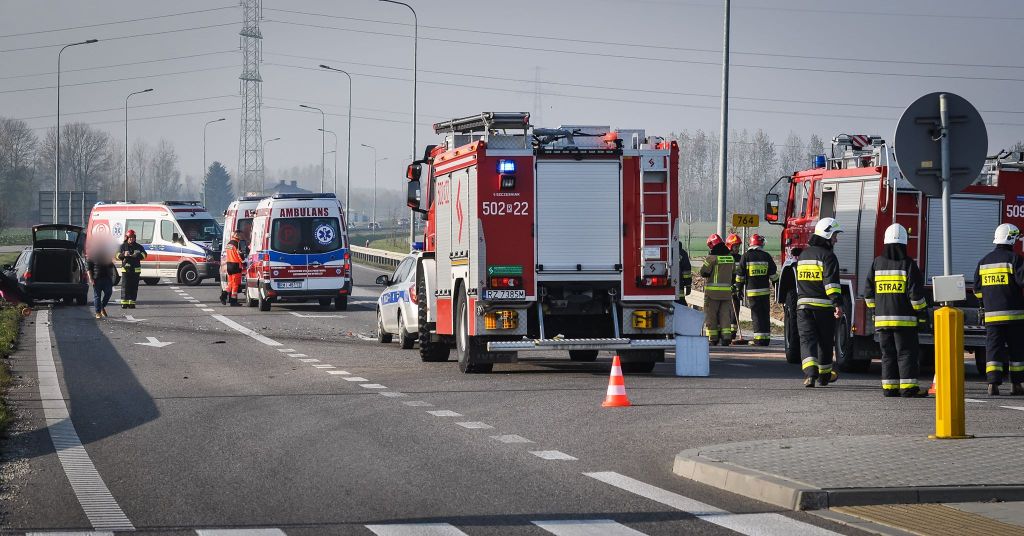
{"x":238,"y":217}
{"x":177,"y":236}
{"x":299,"y":249}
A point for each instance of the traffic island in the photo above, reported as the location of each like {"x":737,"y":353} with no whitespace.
{"x":816,"y":473}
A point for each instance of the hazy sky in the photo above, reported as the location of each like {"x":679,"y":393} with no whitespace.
{"x":808,"y":66}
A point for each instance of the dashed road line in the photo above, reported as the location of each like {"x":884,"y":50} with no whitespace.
{"x":552,"y":455}
{"x":511,"y":438}
{"x":338,"y":372}
{"x":323,"y":366}
{"x":1018,"y":408}
{"x":245,"y":331}
{"x":417,"y":403}
{"x":240,"y":532}
{"x":286,"y":350}
{"x":298,"y":355}
{"x":372,"y":386}
{"x":475,"y":425}
{"x":393,"y":394}
{"x":975,"y":400}
{"x":307,"y":360}
{"x":586,"y":527}
{"x":444,"y":413}
{"x":417,"y":529}
{"x":750,"y":524}
{"x":92,"y":493}
{"x":355,"y":379}
{"x":207,"y":310}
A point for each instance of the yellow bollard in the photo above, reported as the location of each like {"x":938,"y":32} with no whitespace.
{"x":949,"y":372}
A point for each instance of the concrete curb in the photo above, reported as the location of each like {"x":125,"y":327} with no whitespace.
{"x":795,"y":495}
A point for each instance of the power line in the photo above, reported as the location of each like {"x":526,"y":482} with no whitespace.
{"x":121,"y":121}
{"x":119,"y":79}
{"x":119,"y":22}
{"x":647,"y":45}
{"x":121,"y":108}
{"x":65,"y":71}
{"x":118,"y":38}
{"x":830,"y":12}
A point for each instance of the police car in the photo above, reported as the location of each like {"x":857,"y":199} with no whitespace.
{"x":397,"y":310}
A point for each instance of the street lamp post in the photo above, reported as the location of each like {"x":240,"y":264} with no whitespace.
{"x":206,"y":170}
{"x":373,"y":218}
{"x":332,"y":133}
{"x":263,"y":179}
{"x":323,"y":142}
{"x":348,"y":150}
{"x":56,"y":159}
{"x":415,"y":56}
{"x":126,"y":139}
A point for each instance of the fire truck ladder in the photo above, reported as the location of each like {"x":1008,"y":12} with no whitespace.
{"x":661,"y":241}
{"x":485,"y":122}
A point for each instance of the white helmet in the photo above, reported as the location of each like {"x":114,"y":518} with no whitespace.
{"x":826,"y":227}
{"x":896,"y":234}
{"x":1006,"y":234}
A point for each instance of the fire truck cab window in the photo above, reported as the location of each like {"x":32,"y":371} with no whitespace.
{"x":800,"y":200}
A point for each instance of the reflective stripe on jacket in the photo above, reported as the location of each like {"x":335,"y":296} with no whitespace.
{"x":817,"y":279}
{"x":756,"y":271}
{"x":718,"y":276}
{"x":895,"y":291}
{"x":998,"y":281}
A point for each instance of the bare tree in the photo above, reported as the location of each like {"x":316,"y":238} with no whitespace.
{"x":166,"y":178}
{"x":138,"y":169}
{"x":17,"y":151}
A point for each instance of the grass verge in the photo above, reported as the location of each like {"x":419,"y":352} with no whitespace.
{"x":398,"y":245}
{"x":8,"y":258}
{"x":10,"y":320}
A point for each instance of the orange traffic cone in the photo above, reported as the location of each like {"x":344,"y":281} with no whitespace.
{"x":933,"y":390}
{"x":616,"y":397}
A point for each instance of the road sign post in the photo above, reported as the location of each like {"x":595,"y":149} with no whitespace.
{"x":957,"y":138}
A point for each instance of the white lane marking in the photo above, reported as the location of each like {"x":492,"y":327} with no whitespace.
{"x":298,"y":355}
{"x":355,"y":379}
{"x":444,"y":413}
{"x":551,"y":455}
{"x":751,"y":524}
{"x":338,"y":372}
{"x":300,"y":315}
{"x":207,"y":310}
{"x":92,"y":493}
{"x":323,"y":366}
{"x":245,"y":331}
{"x":240,"y":532}
{"x":130,"y":319}
{"x":1018,"y":408}
{"x":309,"y":360}
{"x":71,"y":533}
{"x":740,"y":365}
{"x":417,"y":403}
{"x":416,"y":529}
{"x":286,"y":350}
{"x":154,"y":342}
{"x":975,"y":400}
{"x":393,"y":394}
{"x":511,"y":438}
{"x":475,"y":425}
{"x":372,"y":386}
{"x":586,"y":527}
{"x":200,"y":305}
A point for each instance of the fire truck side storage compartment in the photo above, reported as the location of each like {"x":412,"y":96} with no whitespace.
{"x":972,"y":220}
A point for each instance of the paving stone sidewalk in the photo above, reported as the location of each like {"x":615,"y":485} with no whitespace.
{"x":820,"y":472}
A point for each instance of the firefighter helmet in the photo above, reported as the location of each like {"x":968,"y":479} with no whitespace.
{"x":129,"y":234}
{"x":1006,"y":234}
{"x":827,"y":227}
{"x":896,"y":234}
{"x":714,"y":240}
{"x":756,"y":240}
{"x":733,"y":240}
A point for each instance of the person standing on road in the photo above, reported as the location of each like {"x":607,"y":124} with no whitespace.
{"x":685,"y":275}
{"x":754,"y":276}
{"x":733,"y":242}
{"x":895,"y":294}
{"x":234,"y":266}
{"x":819,"y":303}
{"x":131,"y":256}
{"x":101,"y":272}
{"x":998,"y":281}
{"x":717,"y":271}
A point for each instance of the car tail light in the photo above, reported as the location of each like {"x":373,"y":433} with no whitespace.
{"x":655,"y":281}
{"x":505,"y":282}
{"x":26,"y":276}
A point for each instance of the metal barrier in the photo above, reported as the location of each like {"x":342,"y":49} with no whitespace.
{"x":376,"y":257}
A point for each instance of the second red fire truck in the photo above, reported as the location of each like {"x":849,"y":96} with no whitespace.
{"x":861,"y":185}
{"x":545,"y":239}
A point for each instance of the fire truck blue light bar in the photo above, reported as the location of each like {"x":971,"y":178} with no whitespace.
{"x":506,"y":166}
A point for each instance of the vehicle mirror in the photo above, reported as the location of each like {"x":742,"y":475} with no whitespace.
{"x":412,"y":172}
{"x":413,"y":195}
{"x":383,"y":280}
{"x":771,"y":208}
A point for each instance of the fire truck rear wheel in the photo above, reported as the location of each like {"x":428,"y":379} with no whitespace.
{"x":583,"y":355}
{"x":469,"y":349}
{"x":792,"y":336}
{"x":430,"y":350}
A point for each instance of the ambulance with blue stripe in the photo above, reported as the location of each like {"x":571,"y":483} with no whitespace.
{"x":177,"y":236}
{"x":299,"y":249}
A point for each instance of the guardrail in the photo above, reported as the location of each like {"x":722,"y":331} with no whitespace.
{"x":376,"y":257}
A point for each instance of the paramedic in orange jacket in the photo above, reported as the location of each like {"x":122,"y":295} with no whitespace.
{"x":235,"y":266}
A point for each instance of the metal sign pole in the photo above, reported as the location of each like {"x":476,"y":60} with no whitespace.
{"x":947,"y":246}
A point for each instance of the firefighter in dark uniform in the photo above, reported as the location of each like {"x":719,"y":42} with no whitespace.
{"x":998,"y":281}
{"x":895,"y":294}
{"x":819,"y":303}
{"x":754,"y":276}
{"x":717,"y":270}
{"x":733,"y":242}
{"x":131,"y":255}
{"x":685,"y":277}
{"x":234,"y":266}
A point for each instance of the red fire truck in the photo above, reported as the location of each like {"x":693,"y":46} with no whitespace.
{"x":861,"y":185}
{"x":545,"y":239}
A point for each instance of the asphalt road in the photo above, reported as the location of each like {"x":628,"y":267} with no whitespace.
{"x":297,"y":420}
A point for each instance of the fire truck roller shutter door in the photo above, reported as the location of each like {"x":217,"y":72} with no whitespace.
{"x":857,"y":210}
{"x":578,"y":215}
{"x":972,"y":221}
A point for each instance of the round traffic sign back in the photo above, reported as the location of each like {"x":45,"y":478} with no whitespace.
{"x":918,"y":143}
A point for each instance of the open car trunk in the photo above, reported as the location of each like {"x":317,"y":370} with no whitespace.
{"x":56,"y":266}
